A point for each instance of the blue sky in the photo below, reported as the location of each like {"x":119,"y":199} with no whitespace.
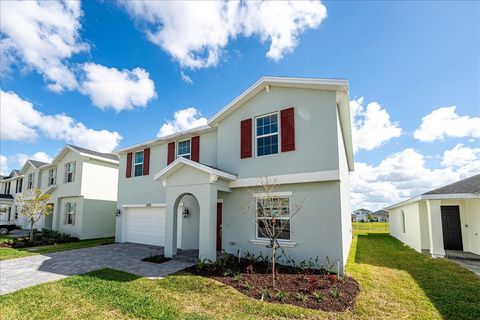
{"x":406,"y":60}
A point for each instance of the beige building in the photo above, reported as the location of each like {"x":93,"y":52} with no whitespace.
{"x":447,"y":218}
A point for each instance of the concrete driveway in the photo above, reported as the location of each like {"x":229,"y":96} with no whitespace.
{"x":16,"y":274}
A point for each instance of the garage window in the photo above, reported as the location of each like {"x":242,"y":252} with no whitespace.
{"x":273,"y":217}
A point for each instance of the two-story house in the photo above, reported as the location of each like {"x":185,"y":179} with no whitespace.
{"x":189,"y":190}
{"x":83,"y":191}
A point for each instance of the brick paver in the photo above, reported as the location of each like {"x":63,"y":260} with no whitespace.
{"x":16,"y":274}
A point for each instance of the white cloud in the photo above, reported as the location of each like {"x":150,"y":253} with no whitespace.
{"x":195,"y":32}
{"x":186,"y":78}
{"x":445,"y":122}
{"x":371,"y":126}
{"x":3,"y":165}
{"x":183,"y":119}
{"x":404,"y":174}
{"x":20,"y":121}
{"x":42,"y":34}
{"x":110,"y":87}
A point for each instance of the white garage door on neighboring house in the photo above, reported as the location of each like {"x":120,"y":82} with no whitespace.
{"x":146,"y":225}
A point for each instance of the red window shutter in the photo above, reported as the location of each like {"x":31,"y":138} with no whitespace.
{"x":171,"y":153}
{"x":288,"y":129}
{"x":195,"y":151}
{"x":128,"y":173}
{"x":246,"y":138}
{"x":146,"y":161}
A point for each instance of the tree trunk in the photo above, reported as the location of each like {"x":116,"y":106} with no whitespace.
{"x":31,"y":230}
{"x":273,"y":263}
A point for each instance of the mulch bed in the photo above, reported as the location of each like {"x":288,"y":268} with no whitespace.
{"x":157,"y":259}
{"x":308,"y":288}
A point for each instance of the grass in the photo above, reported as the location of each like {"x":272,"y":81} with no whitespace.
{"x":11,"y":253}
{"x":369,"y":227}
{"x":396,"y":283}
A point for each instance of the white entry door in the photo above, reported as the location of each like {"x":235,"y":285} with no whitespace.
{"x":146,"y":225}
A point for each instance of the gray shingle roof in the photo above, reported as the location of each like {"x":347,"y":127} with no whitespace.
{"x":468,"y":185}
{"x":37,"y":163}
{"x":110,"y":156}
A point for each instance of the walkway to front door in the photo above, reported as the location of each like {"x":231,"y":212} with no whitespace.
{"x":16,"y":274}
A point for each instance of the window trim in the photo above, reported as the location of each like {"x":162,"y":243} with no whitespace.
{"x":279,"y":195}
{"x":138,"y":164}
{"x":70,"y":205}
{"x":30,"y":181}
{"x":69,"y":165}
{"x":255,"y":137}
{"x":53,"y":176}
{"x":190,"y":149}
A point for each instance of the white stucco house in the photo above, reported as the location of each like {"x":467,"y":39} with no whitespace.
{"x":186,"y":190}
{"x":83,"y":187}
{"x":447,"y":218}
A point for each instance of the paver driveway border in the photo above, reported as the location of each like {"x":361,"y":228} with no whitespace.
{"x":16,"y":274}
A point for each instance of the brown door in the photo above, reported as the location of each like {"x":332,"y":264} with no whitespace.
{"x":219,"y":226}
{"x":452,"y":232}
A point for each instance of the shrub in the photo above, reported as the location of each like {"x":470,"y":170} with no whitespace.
{"x":301,"y":296}
{"x":319,"y":296}
{"x":335,"y":293}
{"x":281,"y":296}
{"x":249,"y":286}
{"x":266,"y":294}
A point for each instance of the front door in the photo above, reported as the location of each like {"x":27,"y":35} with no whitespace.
{"x":452,"y":232}
{"x":219,"y":226}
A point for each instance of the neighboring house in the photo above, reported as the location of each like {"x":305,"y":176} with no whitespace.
{"x":379,"y":216}
{"x":83,"y":188}
{"x":187,"y":190}
{"x":361,"y":215}
{"x":447,"y":218}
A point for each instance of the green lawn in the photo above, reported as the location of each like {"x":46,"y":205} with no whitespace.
{"x":396,"y":283}
{"x":369,"y":227}
{"x":10,"y":253}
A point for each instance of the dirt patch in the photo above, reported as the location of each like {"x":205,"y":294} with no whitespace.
{"x":157,"y":259}
{"x":308,"y":288}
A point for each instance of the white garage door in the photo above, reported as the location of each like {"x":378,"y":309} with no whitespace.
{"x":147,"y":226}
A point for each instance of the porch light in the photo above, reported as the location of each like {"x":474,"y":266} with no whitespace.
{"x":185,"y":212}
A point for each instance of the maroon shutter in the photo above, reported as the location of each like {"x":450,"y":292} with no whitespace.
{"x":195,"y":152}
{"x":128,"y":173}
{"x":171,"y":153}
{"x":246,"y":138}
{"x":146,"y":161}
{"x":288,"y":129}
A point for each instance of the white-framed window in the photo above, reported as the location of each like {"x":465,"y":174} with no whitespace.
{"x":402,"y":216}
{"x":266,"y":134}
{"x":69,"y":171}
{"x":273,"y":214}
{"x":183,"y":148}
{"x":30,"y":181}
{"x":70,"y":209}
{"x":52,"y":175}
{"x":138,"y":164}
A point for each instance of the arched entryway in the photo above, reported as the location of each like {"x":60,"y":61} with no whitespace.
{"x":189,"y":216}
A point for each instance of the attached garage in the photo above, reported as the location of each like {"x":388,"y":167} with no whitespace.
{"x":146,"y":225}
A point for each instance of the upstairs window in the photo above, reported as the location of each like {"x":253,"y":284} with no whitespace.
{"x":30,"y":181}
{"x":266,"y":134}
{"x":70,"y":171}
{"x":183,"y":149}
{"x":138,"y":164}
{"x":273,"y":217}
{"x":52,"y":174}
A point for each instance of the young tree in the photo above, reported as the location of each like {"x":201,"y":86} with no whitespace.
{"x":33,"y":204}
{"x":269,"y":211}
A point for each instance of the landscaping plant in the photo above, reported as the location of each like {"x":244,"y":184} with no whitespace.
{"x":34,"y":204}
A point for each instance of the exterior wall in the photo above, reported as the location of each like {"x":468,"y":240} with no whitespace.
{"x":473,"y":221}
{"x":99,"y":180}
{"x":344,"y":194}
{"x":190,"y":225}
{"x":98,"y":218}
{"x":315,"y":229}
{"x":76,"y":229}
{"x":411,"y":236}
{"x":315,"y":134}
{"x":424,"y":232}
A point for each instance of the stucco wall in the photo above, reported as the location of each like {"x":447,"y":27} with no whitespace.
{"x":473,"y":210}
{"x":98,"y":219}
{"x":315,"y":134}
{"x":411,"y":236}
{"x":316,"y":229}
{"x":99,"y":180}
